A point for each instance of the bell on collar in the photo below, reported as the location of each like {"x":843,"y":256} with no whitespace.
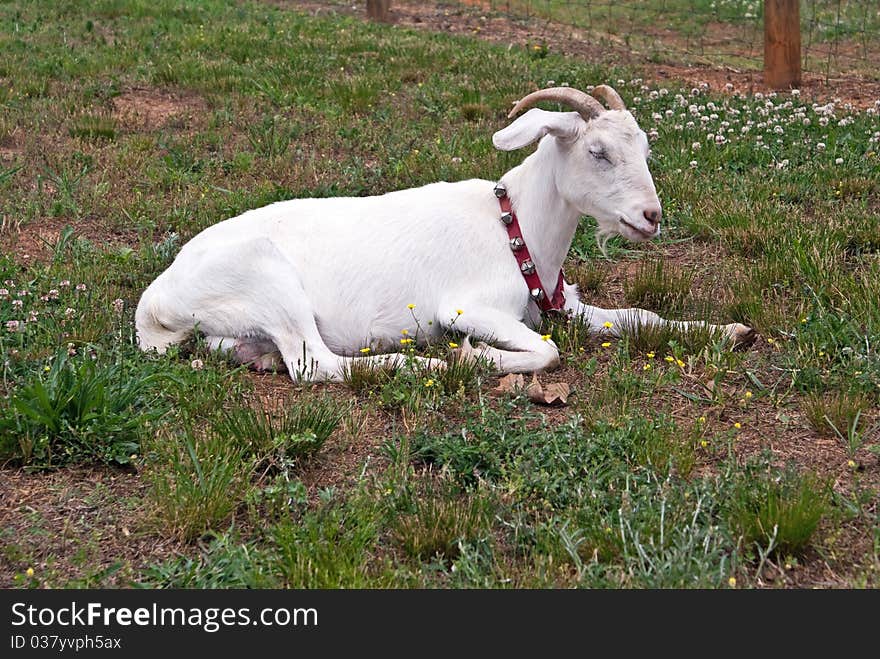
{"x":537,"y":294}
{"x":507,"y":218}
{"x":500,"y":190}
{"x":516,"y":243}
{"x":527,"y":267}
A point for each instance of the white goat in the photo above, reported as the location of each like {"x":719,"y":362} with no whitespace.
{"x":307,"y":284}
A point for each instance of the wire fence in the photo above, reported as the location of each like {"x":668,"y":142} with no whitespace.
{"x":838,"y":37}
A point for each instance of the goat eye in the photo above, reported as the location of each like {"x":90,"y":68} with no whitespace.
{"x":600,"y":155}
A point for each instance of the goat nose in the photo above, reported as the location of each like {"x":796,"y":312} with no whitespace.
{"x":653,"y":216}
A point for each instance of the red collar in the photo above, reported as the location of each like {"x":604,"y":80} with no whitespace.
{"x":524,"y":259}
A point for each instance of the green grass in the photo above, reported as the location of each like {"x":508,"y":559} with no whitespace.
{"x":676,"y":463}
{"x":729,"y":32}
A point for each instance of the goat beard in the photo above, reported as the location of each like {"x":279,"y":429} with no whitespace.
{"x":603,"y":235}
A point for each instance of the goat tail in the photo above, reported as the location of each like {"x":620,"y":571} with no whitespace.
{"x":152,"y":334}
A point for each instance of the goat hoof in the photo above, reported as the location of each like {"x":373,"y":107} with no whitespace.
{"x":743,"y":336}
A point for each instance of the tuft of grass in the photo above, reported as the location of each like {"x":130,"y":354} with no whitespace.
{"x":834,"y":413}
{"x":460,"y":377}
{"x":569,"y":333}
{"x":330,"y":547}
{"x":197,"y":481}
{"x":438,"y":522}
{"x":474,"y":111}
{"x":227,"y":562}
{"x":647,"y":336}
{"x":365,"y":375}
{"x":297,"y":431}
{"x":658,"y":287}
{"x":93,"y":127}
{"x":838,"y":415}
{"x":590,"y":275}
{"x":76,"y":409}
{"x":778,"y":514}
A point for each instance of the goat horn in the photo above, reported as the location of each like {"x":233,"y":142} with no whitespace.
{"x":587,"y":106}
{"x":611,"y":97}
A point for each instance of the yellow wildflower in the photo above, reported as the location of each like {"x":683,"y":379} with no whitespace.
{"x":30,"y":572}
{"x":748,"y":395}
{"x":429,"y":382}
{"x":646,"y":367}
{"x":732,"y":582}
{"x":737,"y":425}
{"x":704,"y":443}
{"x":606,"y":345}
{"x":680,"y":363}
{"x":452,"y":344}
{"x":410,"y":306}
{"x":650,"y":355}
{"x":669,"y":358}
{"x":405,"y":342}
{"x":545,"y":337}
{"x":364,"y":351}
{"x":404,"y":332}
{"x":607,"y":325}
{"x":459,"y":311}
{"x":702,"y":419}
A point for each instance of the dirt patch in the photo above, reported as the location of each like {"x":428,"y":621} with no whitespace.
{"x":353,"y":445}
{"x":75,"y":523}
{"x":35,"y":241}
{"x":146,"y":109}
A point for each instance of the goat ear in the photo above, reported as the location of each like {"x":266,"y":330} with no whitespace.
{"x":534,"y":125}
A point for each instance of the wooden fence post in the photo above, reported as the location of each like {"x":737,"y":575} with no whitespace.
{"x":378,"y":10}
{"x":782,"y":43}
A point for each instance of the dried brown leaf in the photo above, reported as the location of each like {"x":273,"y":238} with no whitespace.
{"x":511,"y":384}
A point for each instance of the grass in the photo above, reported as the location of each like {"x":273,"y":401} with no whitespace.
{"x":730,"y":33}
{"x":676,"y":463}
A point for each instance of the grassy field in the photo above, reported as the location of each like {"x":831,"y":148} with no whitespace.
{"x":128,"y":126}
{"x":837,"y":38}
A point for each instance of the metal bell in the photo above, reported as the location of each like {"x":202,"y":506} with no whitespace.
{"x":516,"y":243}
{"x":527,"y":267}
{"x":500,"y":190}
{"x":537,"y":294}
{"x":507,"y":218}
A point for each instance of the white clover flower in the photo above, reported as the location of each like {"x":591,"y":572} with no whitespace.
{"x":12,"y":325}
{"x":197,"y":364}
{"x":838,"y":161}
{"x":693,"y":164}
{"x":820,"y":146}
